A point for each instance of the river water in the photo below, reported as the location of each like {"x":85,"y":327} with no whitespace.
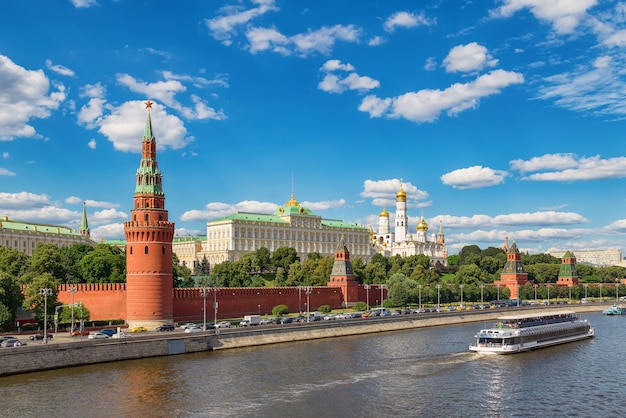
{"x":417,"y":373}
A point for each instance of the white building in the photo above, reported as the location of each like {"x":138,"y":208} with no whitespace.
{"x":596,"y":257}
{"x":401,"y":242}
{"x":291,"y":225}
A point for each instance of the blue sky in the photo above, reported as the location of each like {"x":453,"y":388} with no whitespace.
{"x":500,"y":117}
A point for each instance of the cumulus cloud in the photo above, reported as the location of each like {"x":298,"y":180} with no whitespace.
{"x":564,"y":16}
{"x":83,"y":4}
{"x":569,"y":167}
{"x":426,"y":105}
{"x":59,"y":69}
{"x":539,"y":219}
{"x":383,"y":193}
{"x":223,"y":27}
{"x":6,"y":172}
{"x":474,"y":177}
{"x":333,"y":83}
{"x":470,"y":57}
{"x":26,"y":95}
{"x":405,"y":20}
{"x":121,"y":124}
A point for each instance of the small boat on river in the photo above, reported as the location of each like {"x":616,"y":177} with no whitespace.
{"x":517,"y":333}
{"x":615,"y":310}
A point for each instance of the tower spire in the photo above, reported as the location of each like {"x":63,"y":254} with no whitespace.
{"x":84,"y":226}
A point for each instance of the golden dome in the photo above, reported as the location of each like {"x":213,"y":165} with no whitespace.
{"x":384,"y":213}
{"x":422,"y":225}
{"x":292,"y":202}
{"x":401,"y":194}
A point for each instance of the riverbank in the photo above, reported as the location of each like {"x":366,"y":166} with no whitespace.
{"x":71,"y":353}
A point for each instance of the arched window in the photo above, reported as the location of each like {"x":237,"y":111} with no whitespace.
{"x":163,"y":249}
{"x":146,"y":217}
{"x":145,"y":249}
{"x":131,"y":250}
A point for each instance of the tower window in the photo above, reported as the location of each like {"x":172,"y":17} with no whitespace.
{"x":146,"y":217}
{"x":145,"y":249}
{"x":131,"y":250}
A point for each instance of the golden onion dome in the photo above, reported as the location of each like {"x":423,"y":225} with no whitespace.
{"x":384,"y":213}
{"x":401,"y":195}
{"x":422,"y":225}
{"x":292,"y":201}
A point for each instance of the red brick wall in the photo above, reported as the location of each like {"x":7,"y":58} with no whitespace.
{"x":104,"y":301}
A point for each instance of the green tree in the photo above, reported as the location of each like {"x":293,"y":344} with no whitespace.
{"x":47,"y":258}
{"x":13,"y":262}
{"x":105,"y":264}
{"x":284,"y":257}
{"x":264,"y":259}
{"x":468,"y":274}
{"x":71,"y":257}
{"x":203,"y":268}
{"x":279,"y":310}
{"x":470,"y":254}
{"x":34,"y":301}
{"x":11,"y":298}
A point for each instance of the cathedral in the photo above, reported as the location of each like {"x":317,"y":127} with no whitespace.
{"x":401,"y":242}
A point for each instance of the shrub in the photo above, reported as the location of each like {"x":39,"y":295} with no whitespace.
{"x":279,"y":310}
{"x":359,"y":307}
{"x":324,"y":309}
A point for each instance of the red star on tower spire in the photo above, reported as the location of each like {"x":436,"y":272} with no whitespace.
{"x":149,"y":104}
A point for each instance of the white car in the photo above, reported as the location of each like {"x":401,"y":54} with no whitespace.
{"x":192,"y":329}
{"x":97,"y":336}
{"x":223,"y":324}
{"x":121,"y":335}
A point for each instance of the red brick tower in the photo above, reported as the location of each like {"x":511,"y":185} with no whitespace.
{"x":513,"y":274}
{"x":342,"y":275}
{"x":567,"y":274}
{"x":149,"y":237}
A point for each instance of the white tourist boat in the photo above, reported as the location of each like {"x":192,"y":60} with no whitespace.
{"x":516,"y":333}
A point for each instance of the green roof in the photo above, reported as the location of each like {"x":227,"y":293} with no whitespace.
{"x":7,"y":223}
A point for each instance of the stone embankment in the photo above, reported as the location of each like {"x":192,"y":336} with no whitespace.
{"x":60,"y":354}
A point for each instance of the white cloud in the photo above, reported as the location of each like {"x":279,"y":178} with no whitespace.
{"x":224,"y":27}
{"x":92,"y":144}
{"x":539,"y":219}
{"x":405,"y":20}
{"x":563,"y":15}
{"x":592,"y":168}
{"x":25,"y":95}
{"x":107,"y":232}
{"x":74,"y":200}
{"x":383,"y":192}
{"x":470,"y":57}
{"x":6,"y":155}
{"x":264,"y":39}
{"x":545,"y":162}
{"x":83,"y":4}
{"x":124,"y":126}
{"x":427,"y":105}
{"x":376,"y":41}
{"x":59,"y":69}
{"x":6,"y":172}
{"x":323,"y":40}
{"x":336,"y":65}
{"x":23,"y":200}
{"x":474,"y":177}
{"x":333,"y":84}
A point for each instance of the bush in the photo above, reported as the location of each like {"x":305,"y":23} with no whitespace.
{"x":324,"y":309}
{"x":359,"y":307}
{"x":279,"y":310}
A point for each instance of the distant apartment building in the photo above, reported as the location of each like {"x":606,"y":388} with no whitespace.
{"x":596,"y":257}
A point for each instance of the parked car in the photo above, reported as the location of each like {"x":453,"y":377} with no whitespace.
{"x":40,"y":337}
{"x":121,"y":335}
{"x":166,"y":327}
{"x":139,"y":329}
{"x":79,"y":333}
{"x":97,"y":336}
{"x":265,"y":321}
{"x":12,"y":342}
{"x":6,"y":337}
{"x":187,"y":325}
{"x":109,"y":332}
{"x":223,"y":324}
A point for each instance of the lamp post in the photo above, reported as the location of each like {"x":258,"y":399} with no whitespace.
{"x":72,"y":290}
{"x":498,"y":297}
{"x":382,"y":287}
{"x":259,"y":309}
{"x":438,"y":297}
{"x":548,"y":286}
{"x":585,"y":286}
{"x":367,"y":293}
{"x":461,"y":287}
{"x":45,"y":292}
{"x":299,"y":300}
{"x":600,"y":292}
{"x":482,"y":293}
{"x":307,"y":291}
{"x":535,"y":286}
{"x":204,"y":292}
{"x":419,"y":288}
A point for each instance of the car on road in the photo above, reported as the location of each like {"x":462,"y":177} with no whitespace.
{"x":138,"y":329}
{"x":97,"y":336}
{"x":12,"y":342}
{"x":121,"y":335}
{"x":166,"y":327}
{"x":109,"y":332}
{"x":265,"y":321}
{"x":37,"y":337}
{"x":223,"y":324}
{"x":192,"y":329}
{"x":79,"y":333}
{"x":187,"y":325}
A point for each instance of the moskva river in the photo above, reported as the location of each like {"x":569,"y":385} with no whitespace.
{"x":417,"y":373}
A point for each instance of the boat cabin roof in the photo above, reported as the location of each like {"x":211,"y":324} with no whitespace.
{"x":535,"y":315}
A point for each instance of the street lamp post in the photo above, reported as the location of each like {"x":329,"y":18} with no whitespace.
{"x":382,"y":287}
{"x":461,"y":287}
{"x":259,"y":309}
{"x":367,"y":293}
{"x":438,"y":297}
{"x":585,"y":286}
{"x":482,"y":293}
{"x":72,"y":290}
{"x":307,"y":291}
{"x":548,"y":286}
{"x":498,"y":297}
{"x":204,"y":292}
{"x":535,"y":286}
{"x":419,"y":287}
{"x":45,"y":292}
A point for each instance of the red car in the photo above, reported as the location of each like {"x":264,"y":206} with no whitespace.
{"x":78,"y":333}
